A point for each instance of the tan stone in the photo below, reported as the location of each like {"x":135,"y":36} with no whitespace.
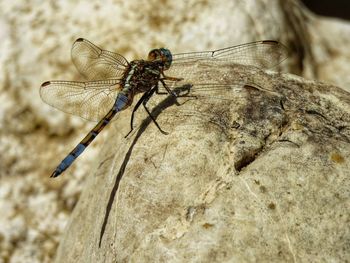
{"x":248,"y":181}
{"x":272,"y":189}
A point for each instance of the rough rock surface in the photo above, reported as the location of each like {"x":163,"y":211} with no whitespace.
{"x":265,"y":180}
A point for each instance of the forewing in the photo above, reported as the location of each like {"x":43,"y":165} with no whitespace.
{"x":89,"y":100}
{"x":262,"y":54}
{"x":94,"y":63}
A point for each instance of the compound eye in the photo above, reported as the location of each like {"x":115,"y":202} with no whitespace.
{"x":166,"y":56}
{"x":154,"y":54}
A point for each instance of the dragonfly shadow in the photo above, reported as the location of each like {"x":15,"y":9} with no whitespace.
{"x":169,"y":101}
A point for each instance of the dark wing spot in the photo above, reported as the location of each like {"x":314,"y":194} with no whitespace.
{"x":270,"y":42}
{"x":45,"y":84}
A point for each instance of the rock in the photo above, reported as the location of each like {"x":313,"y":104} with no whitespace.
{"x":232,"y":181}
{"x":271,"y":189}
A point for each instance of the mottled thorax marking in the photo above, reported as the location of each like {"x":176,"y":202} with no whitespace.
{"x":128,"y":78}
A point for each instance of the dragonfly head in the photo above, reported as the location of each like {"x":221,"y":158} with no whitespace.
{"x":161,"y":54}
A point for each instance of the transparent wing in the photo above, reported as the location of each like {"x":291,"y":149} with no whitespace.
{"x":210,"y":88}
{"x":197,"y":106}
{"x":262,"y":54}
{"x":89,"y":100}
{"x":207,"y":79}
{"x":94,"y":63}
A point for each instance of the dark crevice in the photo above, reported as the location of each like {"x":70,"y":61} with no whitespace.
{"x":341,"y":127}
{"x":289,"y":141}
{"x":251,"y":155}
{"x":246,"y":159}
{"x":282,"y":104}
{"x":313,"y":112}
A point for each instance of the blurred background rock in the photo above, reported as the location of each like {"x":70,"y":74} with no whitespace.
{"x":36,"y":37}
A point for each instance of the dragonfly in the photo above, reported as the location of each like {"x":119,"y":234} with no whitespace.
{"x":112,"y":81}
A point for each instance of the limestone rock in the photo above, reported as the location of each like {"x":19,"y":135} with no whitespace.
{"x":267,"y":182}
{"x":262,"y":179}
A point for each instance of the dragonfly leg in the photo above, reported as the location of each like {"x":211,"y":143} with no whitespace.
{"x":184,"y":92}
{"x":165,"y":86}
{"x":134,"y":110}
{"x":171,"y":78}
{"x":176,"y":93}
{"x":169,"y":91}
{"x":144,"y":102}
{"x":144,"y":99}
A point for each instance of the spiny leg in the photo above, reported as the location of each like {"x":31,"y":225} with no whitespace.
{"x":147,"y":95}
{"x":185,"y":87}
{"x":135,"y":109}
{"x":144,"y":102}
{"x":177,"y":92}
{"x":171,"y":78}
{"x":169,"y":91}
{"x":144,"y":99}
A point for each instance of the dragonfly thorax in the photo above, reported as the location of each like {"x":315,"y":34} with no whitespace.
{"x":141,"y":76}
